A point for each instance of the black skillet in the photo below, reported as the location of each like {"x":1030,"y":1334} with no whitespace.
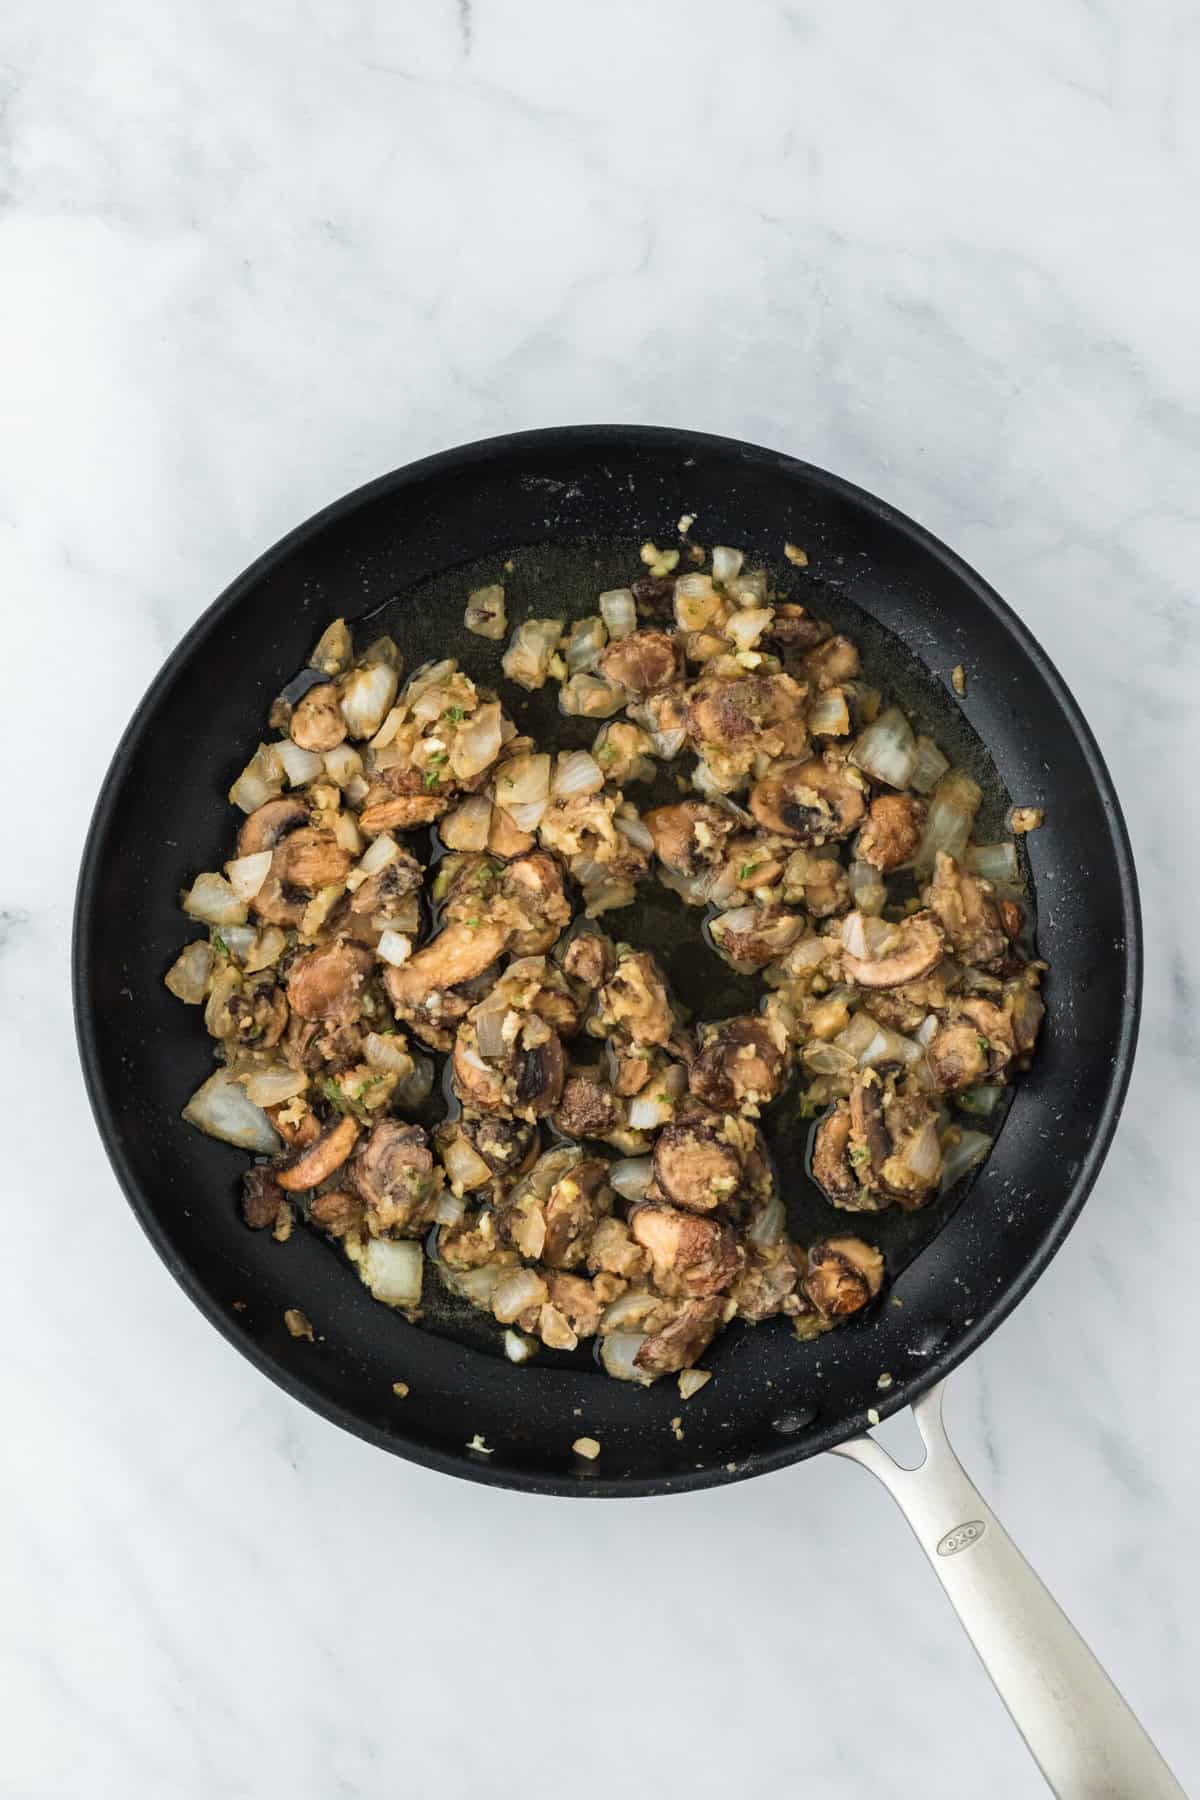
{"x":569,"y":507}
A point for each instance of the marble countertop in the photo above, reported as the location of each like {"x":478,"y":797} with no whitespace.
{"x":252,"y":257}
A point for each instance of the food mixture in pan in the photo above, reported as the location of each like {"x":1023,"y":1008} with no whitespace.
{"x":418,"y":890}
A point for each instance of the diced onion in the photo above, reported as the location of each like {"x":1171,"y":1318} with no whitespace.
{"x":619,"y":612}
{"x":952,"y":809}
{"x":451,"y":1208}
{"x":583,"y":644}
{"x":392,"y":1270}
{"x":527,"y":659}
{"x":929,"y":767}
{"x":489,"y":1019}
{"x":485,"y":614}
{"x":343,"y":764}
{"x":867,"y":888}
{"x":980,"y":1101}
{"x":631,"y":1176}
{"x":247,"y":873}
{"x":747,"y":626}
{"x":272,"y":1085}
{"x":726,"y":563}
{"x":523,"y":779}
{"x":769,"y":1223}
{"x":394,"y":947}
{"x":618,"y":1351}
{"x":578,"y":773}
{"x":387,"y":1053}
{"x":691,"y":1381}
{"x":187,"y":978}
{"x":591,"y":697}
{"x":300,"y":766}
{"x":221,"y":1108}
{"x":333,"y":650}
{"x":320,"y":907}
{"x":922,"y":1155}
{"x":527,"y":817}
{"x":477,"y":743}
{"x":697,"y":602}
{"x":994,"y":862}
{"x":633,"y":830}
{"x":647,"y":1111}
{"x":887,"y":750}
{"x":211,"y":899}
{"x":475,"y":1285}
{"x":366,"y":695}
{"x":415,"y":1088}
{"x":518,"y":1348}
{"x":467,"y":827}
{"x":515,"y":1292}
{"x":261,"y":780}
{"x":962,"y":1154}
{"x":829,"y":716}
{"x":241,"y":941}
{"x":464,"y":1165}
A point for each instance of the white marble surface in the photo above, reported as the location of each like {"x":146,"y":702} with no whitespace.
{"x":250,"y":256}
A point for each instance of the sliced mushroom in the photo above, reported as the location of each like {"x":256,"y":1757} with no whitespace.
{"x":892,"y":831}
{"x":532,"y":896}
{"x":844,"y":1274}
{"x":636,"y":1001}
{"x":870,"y":1140}
{"x":957,"y":1057}
{"x":320,"y":1159}
{"x":689,"y":836}
{"x":336,"y":1211}
{"x":589,"y":958}
{"x":262,"y":1197}
{"x":832,"y":662}
{"x":677,"y":1345}
{"x":317,"y":722}
{"x":456,"y":955}
{"x":895,"y":953}
{"x":750,"y":937}
{"x":767,"y":1283}
{"x":690,"y":1255}
{"x":740,"y":1064}
{"x":327,"y":983}
{"x":268,"y":824}
{"x":588,"y":1107}
{"x":831,"y":1166}
{"x":388,"y":811}
{"x":967,"y":911}
{"x":394,"y":1174}
{"x":259,"y":1014}
{"x":696,"y":1167}
{"x":309,"y":858}
{"x":507,"y":1146}
{"x":792,"y":629}
{"x":644,"y":662}
{"x":381,"y":894}
{"x":527,"y":1081}
{"x":810,"y":801}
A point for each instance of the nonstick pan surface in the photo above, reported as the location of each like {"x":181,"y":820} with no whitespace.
{"x":569,"y":507}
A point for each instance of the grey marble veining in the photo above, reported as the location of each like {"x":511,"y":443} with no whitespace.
{"x":250,"y":257}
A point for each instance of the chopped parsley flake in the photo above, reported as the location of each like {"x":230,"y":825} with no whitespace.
{"x":454,"y":714}
{"x":219,"y":943}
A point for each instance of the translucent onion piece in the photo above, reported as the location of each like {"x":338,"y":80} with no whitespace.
{"x":867,"y":888}
{"x":387,"y":1053}
{"x":632,"y":829}
{"x":583,"y":644}
{"x":450,"y":1209}
{"x":631,"y":1176}
{"x":980,"y":1101}
{"x":747,"y":626}
{"x":967,"y":1149}
{"x":242,"y":941}
{"x":485,"y":614}
{"x":697,"y":602}
{"x":475,"y":1285}
{"x":477,"y":743}
{"x":922,"y":1155}
{"x":619,"y":612}
{"x":272,"y":1085}
{"x":527,"y":659}
{"x":887,"y":750}
{"x":333,"y":650}
{"x":187,"y":978}
{"x":590,"y":697}
{"x":829,"y":716}
{"x":221,"y":1108}
{"x":247,"y":873}
{"x":578,"y":773}
{"x":929,"y":767}
{"x":366,"y":695}
{"x":489,"y":1027}
{"x":952,"y":809}
{"x":769,"y":1223}
{"x":300,"y":766}
{"x":617,"y":1353}
{"x":726,"y":563}
{"x":261,"y":780}
{"x":394,"y":947}
{"x":691,"y":1381}
{"x":518,"y":1348}
{"x":527,"y":817}
{"x":515,"y":1292}
{"x":467,"y":827}
{"x":994,"y":862}
{"x":523,"y":779}
{"x":464,"y":1165}
{"x":211,"y":899}
{"x":392,"y":1270}
{"x":343,"y":764}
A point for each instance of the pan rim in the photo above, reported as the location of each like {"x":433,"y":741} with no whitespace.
{"x":683,"y":443}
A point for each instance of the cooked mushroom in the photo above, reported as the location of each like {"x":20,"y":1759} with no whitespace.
{"x":578,"y":1301}
{"x":643,"y":663}
{"x":336,"y":1211}
{"x":589,"y":958}
{"x":870,"y":1140}
{"x":750,"y":937}
{"x":843,"y":1275}
{"x":892,"y":831}
{"x":456,"y":955}
{"x":317,"y":722}
{"x":740,"y":1064}
{"x":635,"y":1000}
{"x":882,"y":955}
{"x":695,"y":1166}
{"x":767,"y":1283}
{"x":690,"y":836}
{"x":588,"y":1107}
{"x":967,"y":911}
{"x":525,"y":1080}
{"x":507,"y":1146}
{"x":832,"y":662}
{"x":793,"y":630}
{"x":267,"y":825}
{"x":320,"y":1159}
{"x":383,"y":894}
{"x":676,"y":1345}
{"x":327,"y":983}
{"x":262,"y":1197}
{"x":811,"y":801}
{"x":394,"y":1174}
{"x":831,"y":1166}
{"x":258,"y":1014}
{"x":612,"y":1250}
{"x":957,"y":1057}
{"x":531,"y":900}
{"x":551,"y":1214}
{"x":689,"y":1255}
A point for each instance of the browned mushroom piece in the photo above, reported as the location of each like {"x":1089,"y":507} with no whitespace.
{"x":259,"y":1013}
{"x":832,"y":1168}
{"x":832,"y":662}
{"x":677,"y":1344}
{"x":994,"y":1028}
{"x":322,"y":1047}
{"x":456,"y":955}
{"x":689,"y":836}
{"x":739,"y":1064}
{"x":401,"y":801}
{"x":327,"y":983}
{"x":750,"y":937}
{"x":957,"y":1057}
{"x":844,"y":1274}
{"x":383,"y":894}
{"x":635,"y":1000}
{"x":767,"y":1284}
{"x":262,"y":1197}
{"x":588,"y":1107}
{"x":644,"y":662}
{"x":532,"y":889}
{"x":310,"y":859}
{"x":725,"y":714}
{"x":910,"y":1171}
{"x":689,"y":1255}
{"x":654,"y":596}
{"x":337,"y":1211}
{"x":968,"y":913}
{"x":320,"y":1159}
{"x":589,"y":958}
{"x":295,"y":1122}
{"x":695,"y":1166}
{"x":892,"y":953}
{"x":553,"y":1211}
{"x":541,"y":1070}
{"x":317,"y":722}
{"x":811,"y":801}
{"x":264,"y":828}
{"x":1026,"y":1010}
{"x":526,"y":1081}
{"x":793,"y":631}
{"x":507,"y":1146}
{"x":870,"y":1140}
{"x":579,"y":1301}
{"x":892,"y":831}
{"x":612,"y":1250}
{"x":395,"y":1176}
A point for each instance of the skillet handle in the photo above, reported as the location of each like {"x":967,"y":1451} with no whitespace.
{"x":1087,"y":1742}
